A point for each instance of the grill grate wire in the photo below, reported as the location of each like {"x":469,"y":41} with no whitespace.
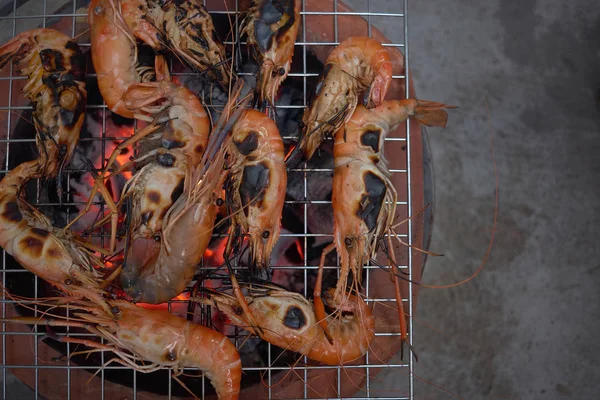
{"x":19,"y":15}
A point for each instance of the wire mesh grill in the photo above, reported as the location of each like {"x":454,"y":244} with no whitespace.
{"x":335,"y":20}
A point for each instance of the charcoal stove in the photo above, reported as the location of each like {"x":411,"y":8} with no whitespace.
{"x":45,"y":365}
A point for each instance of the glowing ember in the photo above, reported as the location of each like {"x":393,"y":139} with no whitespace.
{"x":125,"y":155}
{"x":179,"y":305}
{"x":213,"y":256}
{"x":82,"y":189}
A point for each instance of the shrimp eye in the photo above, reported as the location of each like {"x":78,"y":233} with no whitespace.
{"x":348,"y":241}
{"x":220,"y":202}
{"x":266,"y":234}
{"x":156,"y":238}
{"x":98,"y":10}
{"x":171,"y":355}
{"x":281,"y":71}
{"x":68,"y":282}
{"x":273,"y":74}
{"x":115,"y":310}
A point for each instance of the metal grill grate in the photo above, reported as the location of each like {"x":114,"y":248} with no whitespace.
{"x":336,"y":21}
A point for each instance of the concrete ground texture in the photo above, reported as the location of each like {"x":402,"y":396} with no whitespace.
{"x":527,"y":326}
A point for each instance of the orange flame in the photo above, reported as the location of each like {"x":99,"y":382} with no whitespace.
{"x":299,"y":248}
{"x":165,"y":306}
{"x":124,"y":157}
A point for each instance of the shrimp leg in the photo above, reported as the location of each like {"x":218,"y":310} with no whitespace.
{"x":318,"y":301}
{"x":239,"y":296}
{"x":100,"y":188}
{"x":398,"y":293}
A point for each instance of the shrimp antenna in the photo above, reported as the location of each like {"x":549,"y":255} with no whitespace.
{"x":128,"y":208}
{"x":400,"y":274}
{"x":89,"y":166}
{"x":90,"y":229}
{"x":237,"y":45}
{"x":495,"y":220}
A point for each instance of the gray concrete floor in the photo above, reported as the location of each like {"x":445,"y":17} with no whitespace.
{"x":527,"y":326}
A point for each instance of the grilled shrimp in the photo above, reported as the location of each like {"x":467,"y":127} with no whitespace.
{"x":180,"y":120}
{"x":184,"y":136}
{"x":363,"y":196}
{"x":255,"y":188}
{"x":160,"y":268}
{"x":288,"y":321}
{"x":138,"y":334}
{"x":189,"y":31}
{"x":57,"y":256}
{"x":357,"y":64}
{"x":272,"y":27}
{"x":56,"y":71}
{"x":114,"y":55}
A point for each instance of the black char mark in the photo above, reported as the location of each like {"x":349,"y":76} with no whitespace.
{"x":371,"y":138}
{"x":172,"y":143}
{"x":372,"y":200}
{"x":58,"y":83}
{"x":52,"y":60}
{"x":166,"y":159}
{"x":177,"y":191}
{"x":40,"y":232}
{"x":321,"y":82}
{"x":170,"y":137}
{"x":77,"y":61}
{"x":255,"y":179}
{"x":70,"y":117}
{"x":147,"y":217}
{"x":249,"y":144}
{"x":12,"y":212}
{"x":294,"y":318}
{"x":269,"y":13}
{"x":180,"y":14}
{"x":199,"y":36}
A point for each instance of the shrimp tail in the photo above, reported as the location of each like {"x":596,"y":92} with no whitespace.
{"x":431,"y":113}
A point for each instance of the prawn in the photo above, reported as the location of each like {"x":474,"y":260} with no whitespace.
{"x":272,"y":27}
{"x":114,"y":55}
{"x":189,"y":31}
{"x":55,"y":68}
{"x":288,"y":320}
{"x":160,"y":268}
{"x":357,"y":64}
{"x":55,"y":255}
{"x":183,"y":141}
{"x":363,"y":196}
{"x":256,"y":184}
{"x":138,"y":334}
{"x":182,"y":123}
